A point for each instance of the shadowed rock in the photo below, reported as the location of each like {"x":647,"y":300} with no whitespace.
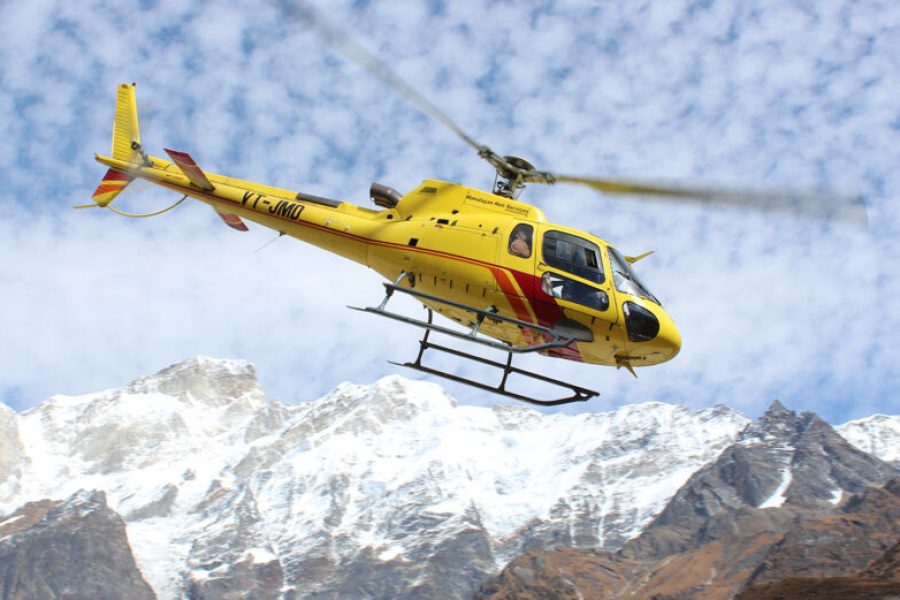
{"x":71,"y":550}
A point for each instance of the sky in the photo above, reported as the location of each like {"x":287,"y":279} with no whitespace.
{"x":771,"y":93}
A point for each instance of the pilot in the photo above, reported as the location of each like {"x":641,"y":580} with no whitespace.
{"x":519,"y":244}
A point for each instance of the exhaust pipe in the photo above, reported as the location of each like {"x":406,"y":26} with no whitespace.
{"x":384,"y":196}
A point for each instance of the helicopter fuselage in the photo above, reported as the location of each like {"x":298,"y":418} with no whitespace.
{"x":464,"y":245}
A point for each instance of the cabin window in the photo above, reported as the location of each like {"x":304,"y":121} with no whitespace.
{"x":574,"y":291}
{"x":573,"y":255}
{"x":520,"y":240}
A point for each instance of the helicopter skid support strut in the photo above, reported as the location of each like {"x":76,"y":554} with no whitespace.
{"x":557,"y":340}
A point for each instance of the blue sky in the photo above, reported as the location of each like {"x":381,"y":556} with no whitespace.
{"x":770,"y":93}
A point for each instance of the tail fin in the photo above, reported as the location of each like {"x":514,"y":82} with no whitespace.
{"x":126,"y":147}
{"x":126,"y":139}
{"x":113,"y":183}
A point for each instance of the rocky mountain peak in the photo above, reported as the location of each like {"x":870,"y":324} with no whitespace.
{"x":211,"y":380}
{"x":780,"y":459}
{"x":777,"y":408}
{"x":390,"y":400}
{"x":777,"y":425}
{"x":155,"y":420}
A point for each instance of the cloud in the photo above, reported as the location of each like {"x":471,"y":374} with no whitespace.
{"x":771,"y":93}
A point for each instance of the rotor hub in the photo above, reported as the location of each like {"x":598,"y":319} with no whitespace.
{"x":509,"y":181}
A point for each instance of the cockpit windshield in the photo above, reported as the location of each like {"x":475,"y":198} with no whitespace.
{"x":625,"y":278}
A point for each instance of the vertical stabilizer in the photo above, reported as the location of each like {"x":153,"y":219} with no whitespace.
{"x":126,"y":138}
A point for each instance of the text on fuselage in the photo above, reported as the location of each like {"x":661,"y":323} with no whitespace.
{"x":282,"y":208}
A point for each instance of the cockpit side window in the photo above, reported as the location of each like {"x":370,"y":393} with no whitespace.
{"x":520,"y":240}
{"x":625,"y":278}
{"x":574,"y":291}
{"x":574,"y":255}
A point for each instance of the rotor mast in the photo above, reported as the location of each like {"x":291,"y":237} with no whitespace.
{"x":509,"y":181}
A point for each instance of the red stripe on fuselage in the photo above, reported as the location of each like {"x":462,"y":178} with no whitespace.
{"x":547,"y":311}
{"x":515,"y":301}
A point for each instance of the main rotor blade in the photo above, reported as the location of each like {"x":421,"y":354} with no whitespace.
{"x":343,"y":43}
{"x":845,"y":208}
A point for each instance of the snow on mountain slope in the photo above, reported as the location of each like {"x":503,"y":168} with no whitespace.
{"x":10,"y":444}
{"x":878,"y":435}
{"x":220,"y":485}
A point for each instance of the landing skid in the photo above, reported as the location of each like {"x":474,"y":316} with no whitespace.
{"x":558,"y":339}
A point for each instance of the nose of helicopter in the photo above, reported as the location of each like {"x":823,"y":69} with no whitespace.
{"x":651,"y":332}
{"x":668,"y":341}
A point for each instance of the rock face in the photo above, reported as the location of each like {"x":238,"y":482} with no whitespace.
{"x":383,"y":491}
{"x":880,"y":580}
{"x":831,"y":588}
{"x":75,"y":549}
{"x":886,"y":568}
{"x":867,"y":525}
{"x":781,"y":459}
{"x":769,"y":506}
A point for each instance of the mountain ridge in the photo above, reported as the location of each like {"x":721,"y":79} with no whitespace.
{"x":764,"y":509}
{"x":388,"y":487}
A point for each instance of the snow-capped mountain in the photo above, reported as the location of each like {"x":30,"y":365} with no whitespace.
{"x":390,"y":490}
{"x":217,"y":483}
{"x":878,"y":435}
{"x":781,"y":459}
{"x":790,"y":497}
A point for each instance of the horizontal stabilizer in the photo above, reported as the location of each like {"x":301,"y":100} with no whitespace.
{"x":193,"y":172}
{"x":232,"y":220}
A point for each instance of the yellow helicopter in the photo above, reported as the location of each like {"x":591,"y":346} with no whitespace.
{"x":514,"y":281}
{"x":517,"y":282}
